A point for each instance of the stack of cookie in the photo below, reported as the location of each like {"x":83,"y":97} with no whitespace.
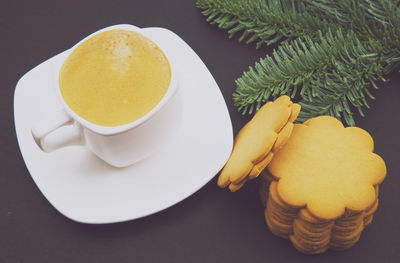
{"x":310,"y":234}
{"x":321,"y":189}
{"x":320,"y":185}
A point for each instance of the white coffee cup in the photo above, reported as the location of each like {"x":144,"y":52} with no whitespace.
{"x":119,"y":146}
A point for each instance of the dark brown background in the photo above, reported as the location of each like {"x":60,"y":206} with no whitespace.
{"x":213,"y":225}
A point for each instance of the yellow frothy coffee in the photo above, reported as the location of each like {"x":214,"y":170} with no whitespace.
{"x":114,"y":78}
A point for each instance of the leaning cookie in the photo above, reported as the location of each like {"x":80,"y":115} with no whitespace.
{"x":257,"y":142}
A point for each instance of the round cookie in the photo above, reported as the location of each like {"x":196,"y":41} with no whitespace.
{"x":276,"y":228}
{"x":306,"y":249}
{"x":311,"y":232}
{"x":328,"y":187}
{"x":328,"y":168}
{"x":276,"y":200}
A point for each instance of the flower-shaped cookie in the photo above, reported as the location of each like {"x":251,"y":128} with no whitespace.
{"x":328,"y":168}
{"x":257,"y":141}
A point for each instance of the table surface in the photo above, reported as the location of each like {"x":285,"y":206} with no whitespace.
{"x":213,"y":225}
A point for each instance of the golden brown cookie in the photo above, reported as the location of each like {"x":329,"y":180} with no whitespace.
{"x":277,"y":228}
{"x":277,"y":201}
{"x":306,"y":249}
{"x":257,"y":141}
{"x":325,"y":180}
{"x":328,"y":168}
{"x":304,"y":230}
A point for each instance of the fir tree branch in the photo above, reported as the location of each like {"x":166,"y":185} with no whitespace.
{"x":343,"y":92}
{"x":334,"y":50}
{"x":329,"y":74}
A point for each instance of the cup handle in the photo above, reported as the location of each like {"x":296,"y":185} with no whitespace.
{"x":57,"y":131}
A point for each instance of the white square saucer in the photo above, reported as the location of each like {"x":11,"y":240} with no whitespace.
{"x":85,"y":189}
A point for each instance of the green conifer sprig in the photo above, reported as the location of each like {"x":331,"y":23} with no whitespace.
{"x":331,"y":52}
{"x":330,"y":74}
